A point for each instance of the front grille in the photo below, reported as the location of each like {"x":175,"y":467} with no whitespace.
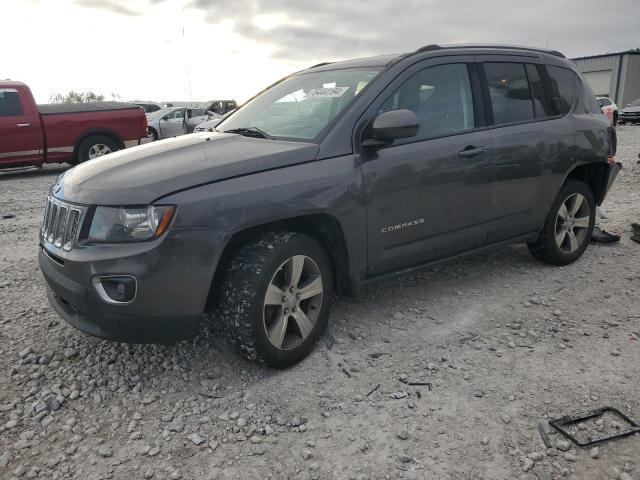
{"x":61,"y":223}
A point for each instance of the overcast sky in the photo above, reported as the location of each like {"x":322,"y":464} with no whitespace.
{"x":205,"y":49}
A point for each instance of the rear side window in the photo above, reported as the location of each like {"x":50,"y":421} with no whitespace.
{"x":441,"y":98}
{"x":10,"y":103}
{"x":563,"y":89}
{"x":509,"y":91}
{"x":541,"y":103}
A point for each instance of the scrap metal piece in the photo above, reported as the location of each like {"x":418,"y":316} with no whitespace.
{"x":558,"y":424}
{"x":544,"y":436}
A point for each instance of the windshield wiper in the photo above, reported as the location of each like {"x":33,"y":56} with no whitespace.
{"x":254,"y":132}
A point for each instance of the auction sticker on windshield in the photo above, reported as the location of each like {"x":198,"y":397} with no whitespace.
{"x":327,"y":92}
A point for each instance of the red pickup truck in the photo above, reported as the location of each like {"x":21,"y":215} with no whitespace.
{"x":33,"y":134}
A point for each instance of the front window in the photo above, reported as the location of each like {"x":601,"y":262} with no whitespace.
{"x":301,"y":106}
{"x":10,"y":103}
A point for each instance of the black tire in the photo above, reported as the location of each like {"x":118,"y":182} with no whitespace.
{"x":546,"y":248}
{"x":242,"y":311}
{"x":615,"y":119}
{"x":93,"y":142}
{"x":152,"y":133}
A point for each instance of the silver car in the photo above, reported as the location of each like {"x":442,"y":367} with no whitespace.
{"x":175,"y":121}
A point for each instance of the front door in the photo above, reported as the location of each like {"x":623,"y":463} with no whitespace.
{"x":173,"y":124}
{"x":429,"y":196}
{"x":20,"y":135}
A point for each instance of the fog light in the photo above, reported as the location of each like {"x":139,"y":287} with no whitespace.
{"x":116,"y":288}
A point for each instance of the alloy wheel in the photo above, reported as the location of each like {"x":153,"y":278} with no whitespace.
{"x":98,"y":150}
{"x":572,"y":223}
{"x":292,"y":302}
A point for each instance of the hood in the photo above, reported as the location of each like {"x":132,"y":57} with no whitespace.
{"x":140,"y":175}
{"x":635,"y":109}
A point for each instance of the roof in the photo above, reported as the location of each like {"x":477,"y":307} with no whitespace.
{"x":384,"y":60}
{"x":11,"y":84}
{"x":613,"y":54}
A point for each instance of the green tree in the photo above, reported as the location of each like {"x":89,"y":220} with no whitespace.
{"x":76,"y":97}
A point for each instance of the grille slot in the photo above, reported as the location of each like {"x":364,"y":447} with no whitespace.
{"x":61,"y":223}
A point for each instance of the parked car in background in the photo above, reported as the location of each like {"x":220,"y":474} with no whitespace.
{"x":33,"y":134}
{"x":210,"y":124}
{"x":175,"y":121}
{"x":221,"y":107}
{"x":333,"y":177}
{"x":609,"y":108}
{"x":148,"y":107}
{"x":630,"y":113}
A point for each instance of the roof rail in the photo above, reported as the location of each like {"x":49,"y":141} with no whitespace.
{"x":434,"y":46}
{"x":319,"y":65}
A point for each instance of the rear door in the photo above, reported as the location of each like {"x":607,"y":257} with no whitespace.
{"x":520,"y":155}
{"x":195,"y":117}
{"x":429,"y":196}
{"x":173,"y":124}
{"x":21,"y":139}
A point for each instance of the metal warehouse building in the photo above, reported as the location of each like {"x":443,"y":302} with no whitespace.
{"x":613,"y":75}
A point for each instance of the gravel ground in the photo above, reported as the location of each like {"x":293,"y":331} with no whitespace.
{"x":505,"y":342}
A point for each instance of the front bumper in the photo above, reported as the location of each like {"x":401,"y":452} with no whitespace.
{"x":173,"y":277}
{"x":629,"y":117}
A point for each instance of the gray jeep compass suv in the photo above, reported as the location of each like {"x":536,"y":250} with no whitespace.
{"x":332,"y":177}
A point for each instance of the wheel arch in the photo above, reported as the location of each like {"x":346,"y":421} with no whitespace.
{"x":593,"y":174}
{"x":322,"y":227}
{"x":95,"y":132}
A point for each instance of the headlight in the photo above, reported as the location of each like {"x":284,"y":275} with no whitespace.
{"x":126,"y":224}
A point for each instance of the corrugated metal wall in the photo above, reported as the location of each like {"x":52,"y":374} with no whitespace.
{"x":601,"y":64}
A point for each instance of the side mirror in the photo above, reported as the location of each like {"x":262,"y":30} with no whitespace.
{"x":390,"y":126}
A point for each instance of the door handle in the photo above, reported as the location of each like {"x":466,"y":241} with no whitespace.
{"x":470,"y":151}
{"x":23,"y":125}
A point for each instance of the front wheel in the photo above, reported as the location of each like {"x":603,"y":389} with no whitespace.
{"x":568,"y":227}
{"x":275,"y":298}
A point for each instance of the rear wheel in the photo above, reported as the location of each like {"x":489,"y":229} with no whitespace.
{"x":568,"y":227}
{"x":276,"y":297}
{"x":96,"y":146}
{"x":615,"y":119}
{"x":152,"y":134}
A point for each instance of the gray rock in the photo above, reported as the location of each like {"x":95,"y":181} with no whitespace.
{"x":24,"y":353}
{"x":536,"y":456}
{"x":594,"y":452}
{"x":563,"y":445}
{"x":176,"y":475}
{"x":196,"y":438}
{"x":242,"y":422}
{"x":570,"y":456}
{"x":306,"y":454}
{"x":403,"y":434}
{"x":70,"y":353}
{"x":527,"y":464}
{"x":5,"y":458}
{"x":255,"y":439}
{"x":213,"y":444}
{"x":105,"y":451}
{"x":176,"y":425}
{"x":153,"y":451}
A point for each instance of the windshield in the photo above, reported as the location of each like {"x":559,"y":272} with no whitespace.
{"x":300,"y":106}
{"x":635,"y":103}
